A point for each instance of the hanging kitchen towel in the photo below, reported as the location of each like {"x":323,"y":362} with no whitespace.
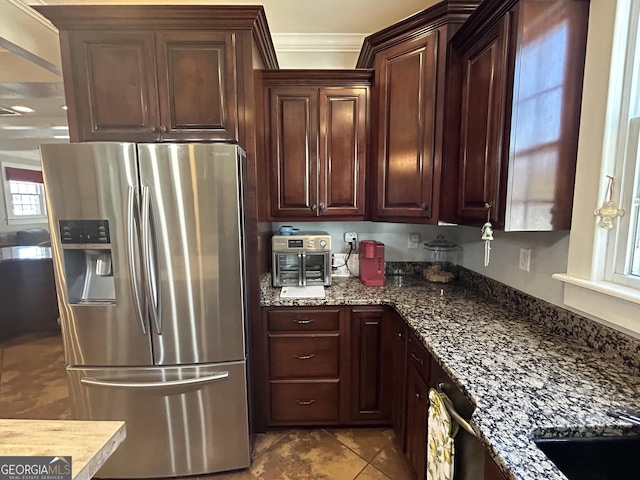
{"x":441,"y":431}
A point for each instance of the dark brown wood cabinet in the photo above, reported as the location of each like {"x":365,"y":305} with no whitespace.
{"x":407,"y":174}
{"x":327,"y":365}
{"x":418,"y":371}
{"x":305,"y":358}
{"x":371,"y":392}
{"x":518,"y":67}
{"x":491,"y":470}
{"x":409,"y":97}
{"x":316,"y":136}
{"x":159,"y":73}
{"x":398,"y":368}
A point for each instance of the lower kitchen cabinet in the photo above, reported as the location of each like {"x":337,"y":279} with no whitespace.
{"x":329,"y":365}
{"x":398,"y":372}
{"x":418,"y":365}
{"x":371,"y":394}
{"x":305,"y":348}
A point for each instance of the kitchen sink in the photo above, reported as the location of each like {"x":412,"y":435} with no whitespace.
{"x":594,"y":458}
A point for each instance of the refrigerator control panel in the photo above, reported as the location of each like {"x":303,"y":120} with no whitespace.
{"x":84,"y":231}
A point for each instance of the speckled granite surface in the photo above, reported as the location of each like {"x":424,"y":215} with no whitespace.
{"x":525,"y":377}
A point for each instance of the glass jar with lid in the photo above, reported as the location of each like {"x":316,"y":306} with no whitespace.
{"x":442,"y":258}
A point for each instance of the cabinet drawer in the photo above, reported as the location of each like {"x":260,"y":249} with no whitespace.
{"x":296,"y":320}
{"x":418,"y":356}
{"x":304,"y":401}
{"x":304,"y":355}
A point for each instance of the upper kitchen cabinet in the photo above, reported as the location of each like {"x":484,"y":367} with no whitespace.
{"x":316,"y":140}
{"x":158,"y":73}
{"x":517,"y":68}
{"x":409,"y":97}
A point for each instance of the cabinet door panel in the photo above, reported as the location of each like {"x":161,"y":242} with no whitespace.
{"x":406,"y":129}
{"x":343,"y":150}
{"x":197,"y":85}
{"x":115,"y":95}
{"x":417,"y":406}
{"x":371,"y":397}
{"x":294,"y":151}
{"x":481,"y":130}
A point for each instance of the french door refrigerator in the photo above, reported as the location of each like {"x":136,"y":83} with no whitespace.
{"x":147,"y":243}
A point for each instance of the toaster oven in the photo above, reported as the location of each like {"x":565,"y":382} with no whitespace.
{"x":301,"y":259}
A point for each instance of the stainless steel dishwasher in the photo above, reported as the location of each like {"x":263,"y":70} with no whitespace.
{"x":469,"y":450}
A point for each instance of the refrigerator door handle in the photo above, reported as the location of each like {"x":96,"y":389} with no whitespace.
{"x":96,"y":382}
{"x":153,"y":292}
{"x":131,"y":253}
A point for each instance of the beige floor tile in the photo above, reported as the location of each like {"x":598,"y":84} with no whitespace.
{"x":267,"y":440}
{"x":371,"y":473}
{"x":391,"y":462}
{"x":307,"y":455}
{"x":366,"y":442}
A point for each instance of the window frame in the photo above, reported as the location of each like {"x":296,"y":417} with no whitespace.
{"x":11,"y":218}
{"x":589,"y":286}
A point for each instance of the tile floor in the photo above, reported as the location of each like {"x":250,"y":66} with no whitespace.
{"x":33,"y":385}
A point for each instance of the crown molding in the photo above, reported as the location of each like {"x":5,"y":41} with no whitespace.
{"x":318,"y":42}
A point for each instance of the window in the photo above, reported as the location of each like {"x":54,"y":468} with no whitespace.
{"x":623,"y":248}
{"x":24,"y":194}
{"x":602,"y":281}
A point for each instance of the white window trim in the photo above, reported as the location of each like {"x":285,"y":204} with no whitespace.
{"x":586,"y":287}
{"x":10,"y":217}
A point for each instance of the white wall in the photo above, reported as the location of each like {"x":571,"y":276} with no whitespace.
{"x":549,"y":251}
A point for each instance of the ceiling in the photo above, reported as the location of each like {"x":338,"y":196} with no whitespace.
{"x":30,"y":57}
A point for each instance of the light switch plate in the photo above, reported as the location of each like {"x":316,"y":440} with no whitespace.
{"x":525,"y":259}
{"x":414,"y":240}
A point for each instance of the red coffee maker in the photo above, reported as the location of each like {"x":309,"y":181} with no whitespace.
{"x":372,"y":263}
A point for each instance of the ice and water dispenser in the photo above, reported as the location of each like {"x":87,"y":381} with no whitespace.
{"x":87,"y":256}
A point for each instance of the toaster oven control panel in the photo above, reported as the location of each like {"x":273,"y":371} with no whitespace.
{"x":308,"y":242}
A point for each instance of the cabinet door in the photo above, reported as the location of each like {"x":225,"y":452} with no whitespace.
{"x":197,"y":85}
{"x":114,"y":86}
{"x":406,"y":78}
{"x":417,"y":405}
{"x":491,"y":470}
{"x":398,"y":380}
{"x":343,"y":151}
{"x":370,"y":395}
{"x":484,"y":70}
{"x":294,"y":151}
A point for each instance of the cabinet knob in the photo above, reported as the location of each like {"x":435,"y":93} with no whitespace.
{"x":314,"y":207}
{"x":423,"y":206}
{"x":322,"y":206}
{"x":163,"y":128}
{"x":400,"y":335}
{"x":152,"y":128}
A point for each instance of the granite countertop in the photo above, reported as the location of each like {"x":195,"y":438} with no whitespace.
{"x":524,"y":379}
{"x":88,"y":443}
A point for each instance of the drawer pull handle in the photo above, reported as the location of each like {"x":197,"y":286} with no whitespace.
{"x":305,"y":402}
{"x":417,"y":358}
{"x":303,"y":322}
{"x":305,"y":357}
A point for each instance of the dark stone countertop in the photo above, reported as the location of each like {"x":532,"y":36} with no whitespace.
{"x":525,"y":379}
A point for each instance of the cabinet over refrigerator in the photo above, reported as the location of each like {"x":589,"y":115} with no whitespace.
{"x":147,"y":242}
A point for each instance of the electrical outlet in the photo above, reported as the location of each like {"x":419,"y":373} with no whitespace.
{"x":350,"y":237}
{"x":414,"y":240}
{"x":525,"y":259}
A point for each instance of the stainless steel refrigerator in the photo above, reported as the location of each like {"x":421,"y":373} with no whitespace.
{"x":148,"y":252}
